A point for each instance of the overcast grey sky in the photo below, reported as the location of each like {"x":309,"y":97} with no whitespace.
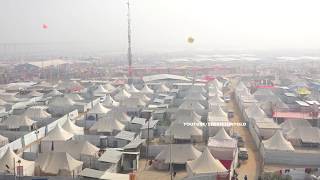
{"x":165,"y":24}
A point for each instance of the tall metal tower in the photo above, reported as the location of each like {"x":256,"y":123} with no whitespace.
{"x":129,"y":43}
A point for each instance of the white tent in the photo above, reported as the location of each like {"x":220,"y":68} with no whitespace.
{"x":58,"y":134}
{"x":141,"y":96}
{"x":205,"y":165}
{"x":34,"y":94}
{"x":186,"y":114}
{"x":37,"y":113}
{"x":100,"y":90}
{"x":109,"y":87}
{"x":305,"y":134}
{"x":17,"y":121}
{"x":163,"y":89}
{"x":214,"y":100}
{"x":58,"y":163}
{"x":277,"y":142}
{"x":288,"y":125}
{"x":61,"y":105}
{"x":77,"y":149}
{"x":103,"y":175}
{"x":9,"y":162}
{"x":255,"y":112}
{"x":3,"y":103}
{"x":119,"y":115}
{"x":72,"y":128}
{"x":74,"y":97}
{"x":107,"y":125}
{"x":9,"y":97}
{"x":146,"y":90}
{"x":133,"y":103}
{"x":110,"y":102}
{"x":217,"y":111}
{"x":213,"y":91}
{"x":180,"y":131}
{"x":222,"y":135}
{"x":132,"y":89}
{"x":69,"y":85}
{"x":123,"y":94}
{"x":222,"y":146}
{"x":3,"y":140}
{"x":241,"y":86}
{"x":217,"y":83}
{"x":53,"y":93}
{"x":99,"y":109}
{"x":178,"y":154}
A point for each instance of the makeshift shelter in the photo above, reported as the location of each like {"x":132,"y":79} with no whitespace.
{"x":100,"y":91}
{"x":175,"y":154}
{"x":55,"y":136}
{"x":194,"y":105}
{"x":214,"y":91}
{"x":72,"y":128}
{"x":18,"y":122}
{"x":217,"y":83}
{"x":109,"y":102}
{"x":206,"y":166}
{"x":254,"y":112}
{"x":195,"y":96}
{"x":187,"y":114}
{"x":37,"y":113}
{"x":61,"y":105}
{"x":9,"y":162}
{"x":57,"y":163}
{"x":109,"y":88}
{"x":107,"y":125}
{"x":277,"y":143}
{"x":216,"y":100}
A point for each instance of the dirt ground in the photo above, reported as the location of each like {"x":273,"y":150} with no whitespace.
{"x":149,"y":173}
{"x":250,"y":167}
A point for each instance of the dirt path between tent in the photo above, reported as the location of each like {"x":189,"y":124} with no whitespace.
{"x":250,"y":167}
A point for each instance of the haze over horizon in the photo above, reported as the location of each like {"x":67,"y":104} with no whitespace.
{"x":164,"y":25}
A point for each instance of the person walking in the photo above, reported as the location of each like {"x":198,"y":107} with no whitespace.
{"x":245,"y":177}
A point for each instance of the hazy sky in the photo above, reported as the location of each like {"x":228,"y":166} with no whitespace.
{"x":165,"y":24}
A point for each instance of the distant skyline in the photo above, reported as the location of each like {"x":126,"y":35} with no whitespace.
{"x":163,"y":25}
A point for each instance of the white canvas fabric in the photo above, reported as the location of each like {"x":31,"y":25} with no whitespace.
{"x":54,"y":162}
{"x":146,"y":89}
{"x":123,"y":94}
{"x":205,"y":164}
{"x":288,"y":125}
{"x":278,"y":142}
{"x":77,"y":148}
{"x":180,"y":131}
{"x":58,"y":134}
{"x":162,"y":89}
{"x":3,"y":140}
{"x":255,"y":112}
{"x":110,"y":102}
{"x":61,"y":105}
{"x":53,"y":93}
{"x":8,"y":160}
{"x":99,"y":109}
{"x":305,"y":134}
{"x":107,"y":125}
{"x":17,"y":121}
{"x":74,"y":97}
{"x":217,"y":111}
{"x":37,"y":113}
{"x":180,"y":153}
{"x":100,"y":90}
{"x":72,"y":128}
{"x":109,"y":87}
{"x":194,"y":105}
{"x":195,"y":96}
{"x":34,"y":94}
{"x":213,"y":100}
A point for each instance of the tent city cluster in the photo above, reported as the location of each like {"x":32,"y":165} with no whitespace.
{"x":83,"y":119}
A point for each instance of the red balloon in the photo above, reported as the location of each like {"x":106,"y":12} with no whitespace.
{"x":44,"y":26}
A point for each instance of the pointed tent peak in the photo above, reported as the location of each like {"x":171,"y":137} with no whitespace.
{"x":34,"y":93}
{"x":16,"y":121}
{"x":278,"y":142}
{"x":180,"y":153}
{"x":36,"y":113}
{"x":213,"y":90}
{"x":107,"y":124}
{"x":163,"y":88}
{"x":241,"y":86}
{"x":206,"y":163}
{"x":126,"y":87}
{"x":123,"y":94}
{"x":217,"y":83}
{"x":99,"y":109}
{"x":109,"y":87}
{"x":62,"y":102}
{"x":54,"y":92}
{"x":254,"y":111}
{"x":132,"y":89}
{"x":146,"y":89}
{"x":100,"y":89}
{"x":222,"y":135}
{"x":58,"y":134}
{"x":110,"y":102}
{"x":195,"y":96}
{"x":216,"y":110}
{"x":72,"y":128}
{"x":216,"y":99}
